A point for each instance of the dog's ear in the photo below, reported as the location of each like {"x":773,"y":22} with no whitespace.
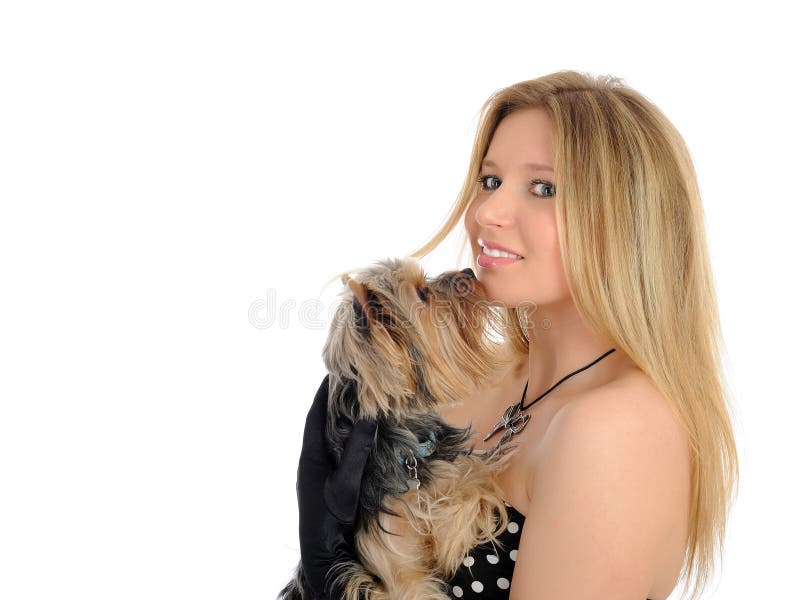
{"x":359,"y":290}
{"x":359,"y":302}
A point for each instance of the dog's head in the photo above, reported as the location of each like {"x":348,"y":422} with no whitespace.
{"x":409,"y":343}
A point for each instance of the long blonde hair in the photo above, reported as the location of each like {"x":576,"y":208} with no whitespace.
{"x":632,"y":236}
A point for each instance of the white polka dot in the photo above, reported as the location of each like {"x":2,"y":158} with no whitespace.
{"x":503,"y":583}
{"x":457,"y":591}
{"x":513,"y":527}
{"x":513,"y":555}
{"x":469,"y":561}
{"x":492,"y":558}
{"x":477,"y":586}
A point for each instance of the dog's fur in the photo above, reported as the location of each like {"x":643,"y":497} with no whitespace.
{"x":400,"y":347}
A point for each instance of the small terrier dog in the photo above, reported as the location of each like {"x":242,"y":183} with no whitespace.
{"x":400,"y":347}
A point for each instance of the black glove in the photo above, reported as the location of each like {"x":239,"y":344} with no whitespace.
{"x":327,"y":495}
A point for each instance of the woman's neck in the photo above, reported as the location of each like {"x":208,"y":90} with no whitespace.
{"x":561,"y":342}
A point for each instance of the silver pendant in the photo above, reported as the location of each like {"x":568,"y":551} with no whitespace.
{"x":513,"y":421}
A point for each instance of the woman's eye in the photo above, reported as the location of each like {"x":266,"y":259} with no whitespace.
{"x":546,"y":185}
{"x":483,"y":179}
{"x":545,"y":189}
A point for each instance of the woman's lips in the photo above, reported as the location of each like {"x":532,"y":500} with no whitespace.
{"x":495,"y":246}
{"x":490,"y":262}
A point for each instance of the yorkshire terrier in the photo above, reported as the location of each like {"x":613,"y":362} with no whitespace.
{"x":400,"y":347}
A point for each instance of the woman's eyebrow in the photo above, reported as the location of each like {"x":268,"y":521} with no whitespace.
{"x":537,"y":166}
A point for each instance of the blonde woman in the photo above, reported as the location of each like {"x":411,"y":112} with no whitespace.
{"x":582,"y":211}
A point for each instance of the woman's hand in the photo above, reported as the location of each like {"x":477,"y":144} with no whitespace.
{"x":327,"y":495}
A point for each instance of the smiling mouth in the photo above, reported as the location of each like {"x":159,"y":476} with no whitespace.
{"x":499,"y":254}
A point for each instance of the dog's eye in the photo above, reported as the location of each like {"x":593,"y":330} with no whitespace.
{"x":423,"y":294}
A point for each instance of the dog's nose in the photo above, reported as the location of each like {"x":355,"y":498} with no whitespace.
{"x":469,"y":273}
{"x":463,"y":282}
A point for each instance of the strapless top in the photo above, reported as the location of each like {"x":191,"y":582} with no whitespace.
{"x":487,"y":569}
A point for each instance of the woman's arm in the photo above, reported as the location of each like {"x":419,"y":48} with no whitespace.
{"x":327,"y":496}
{"x":611,"y":475}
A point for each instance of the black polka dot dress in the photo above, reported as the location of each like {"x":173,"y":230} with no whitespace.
{"x":486,"y":571}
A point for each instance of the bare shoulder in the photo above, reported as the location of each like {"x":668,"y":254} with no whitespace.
{"x":631,"y":419}
{"x":608,"y":496}
{"x":631,"y":404}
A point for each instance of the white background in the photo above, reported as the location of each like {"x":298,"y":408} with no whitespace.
{"x":179,"y":180}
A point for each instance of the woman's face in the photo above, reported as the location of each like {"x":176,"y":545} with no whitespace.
{"x":516,"y":209}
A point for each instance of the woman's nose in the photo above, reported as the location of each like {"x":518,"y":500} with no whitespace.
{"x":496,"y":207}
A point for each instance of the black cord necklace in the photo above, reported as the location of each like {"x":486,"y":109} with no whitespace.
{"x":514,"y":420}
